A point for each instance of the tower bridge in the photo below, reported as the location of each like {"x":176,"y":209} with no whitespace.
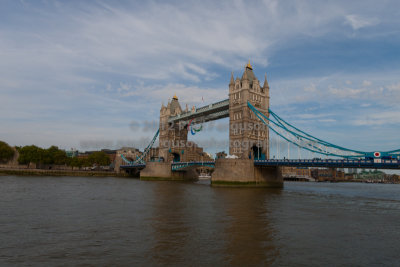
{"x":247,"y":105}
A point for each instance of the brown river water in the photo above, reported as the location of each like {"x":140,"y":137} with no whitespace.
{"x":84,"y":221}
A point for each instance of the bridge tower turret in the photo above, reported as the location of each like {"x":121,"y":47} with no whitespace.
{"x":248,"y":137}
{"x":171,"y":137}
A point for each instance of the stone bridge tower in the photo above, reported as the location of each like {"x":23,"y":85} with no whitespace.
{"x":172,"y":137}
{"x":248,"y":136}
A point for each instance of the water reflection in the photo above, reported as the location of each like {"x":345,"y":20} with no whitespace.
{"x":211,"y":226}
{"x":169,"y":225}
{"x":249,"y":231}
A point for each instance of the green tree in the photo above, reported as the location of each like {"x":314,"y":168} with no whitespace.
{"x":52,"y":155}
{"x":56,"y":156}
{"x":6,"y":152}
{"x":99,"y":158}
{"x":75,"y":162}
{"x":79,"y":162}
{"x":29,"y":154}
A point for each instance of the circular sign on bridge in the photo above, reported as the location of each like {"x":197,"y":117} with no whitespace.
{"x":377,"y":154}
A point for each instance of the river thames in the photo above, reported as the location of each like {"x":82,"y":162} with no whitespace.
{"x":57,"y":221}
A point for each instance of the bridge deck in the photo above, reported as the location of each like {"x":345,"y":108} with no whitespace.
{"x":133,"y":166}
{"x":331,"y":163}
{"x":176,"y":166}
{"x":327,"y":163}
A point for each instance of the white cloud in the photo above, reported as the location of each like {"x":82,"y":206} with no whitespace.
{"x":365,"y":105}
{"x":313,"y":116}
{"x":378,"y":118}
{"x":327,"y":120}
{"x":346,"y":92}
{"x":191,"y":95}
{"x":156,"y":41}
{"x":366,"y":83}
{"x":394,"y":87}
{"x":311,"y":89}
{"x":106,"y":61}
{"x":124,"y":87}
{"x":357,"y":22}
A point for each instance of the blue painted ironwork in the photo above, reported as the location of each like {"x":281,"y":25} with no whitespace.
{"x":134,"y":166}
{"x":176,"y":166}
{"x":140,"y":160}
{"x":308,"y":142}
{"x":332,"y":163}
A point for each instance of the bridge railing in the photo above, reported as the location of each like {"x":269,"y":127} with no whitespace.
{"x":334,"y":163}
{"x":175,"y":166}
{"x":331,"y":160}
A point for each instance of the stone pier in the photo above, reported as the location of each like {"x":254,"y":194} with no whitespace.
{"x":242,"y":172}
{"x":162,"y":171}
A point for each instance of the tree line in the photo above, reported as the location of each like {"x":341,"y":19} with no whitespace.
{"x":51,"y":156}
{"x":6,"y":152}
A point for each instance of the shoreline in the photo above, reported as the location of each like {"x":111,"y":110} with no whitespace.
{"x":72,"y":173}
{"x":41,"y":172}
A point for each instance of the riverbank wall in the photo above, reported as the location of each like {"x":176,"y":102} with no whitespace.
{"x":40,"y":172}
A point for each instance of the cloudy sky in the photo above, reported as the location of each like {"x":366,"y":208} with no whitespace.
{"x":73,"y":73}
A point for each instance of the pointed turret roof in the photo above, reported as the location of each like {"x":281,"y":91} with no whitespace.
{"x":266,"y":82}
{"x":175,"y":105}
{"x":249,"y":65}
{"x":232,"y":80}
{"x":248,"y":73}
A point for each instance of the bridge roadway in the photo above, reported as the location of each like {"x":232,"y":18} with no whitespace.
{"x":176,"y":166}
{"x":331,"y":163}
{"x":321,"y":163}
{"x":138,"y":166}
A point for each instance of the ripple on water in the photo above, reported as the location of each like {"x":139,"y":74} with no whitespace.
{"x":108,"y":221}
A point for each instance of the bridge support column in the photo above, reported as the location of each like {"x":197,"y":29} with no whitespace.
{"x":243,"y":173}
{"x":161,"y":171}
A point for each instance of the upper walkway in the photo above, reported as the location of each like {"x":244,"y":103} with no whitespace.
{"x":210,"y":112}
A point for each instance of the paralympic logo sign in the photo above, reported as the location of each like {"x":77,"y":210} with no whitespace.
{"x":193,"y":130}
